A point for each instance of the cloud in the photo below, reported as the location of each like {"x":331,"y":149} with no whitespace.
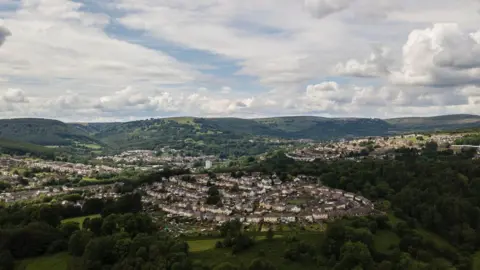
{"x":79,"y":60}
{"x":322,"y":8}
{"x":14,"y":96}
{"x":376,"y":65}
{"x":441,"y":56}
{"x":226,"y":90}
{"x":59,"y":46}
{"x":4,"y":33}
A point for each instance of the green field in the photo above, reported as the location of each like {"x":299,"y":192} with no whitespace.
{"x":476,"y":261}
{"x":436,"y":239}
{"x":202,"y":245}
{"x":384,"y":239}
{"x":90,"y":146}
{"x":274,"y":251}
{"x":90,"y":179}
{"x":79,"y":220}
{"x":54,"y":262}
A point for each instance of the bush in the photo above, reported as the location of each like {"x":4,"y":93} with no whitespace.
{"x":57,"y":246}
{"x":219,"y":244}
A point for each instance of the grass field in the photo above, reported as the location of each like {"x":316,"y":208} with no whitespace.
{"x":79,"y":219}
{"x":274,"y":251}
{"x":426,"y":234}
{"x":384,"y":239}
{"x":90,"y":179}
{"x":476,"y":261}
{"x":54,"y":262}
{"x":436,"y":239}
{"x":91,"y":146}
{"x":202,"y":245}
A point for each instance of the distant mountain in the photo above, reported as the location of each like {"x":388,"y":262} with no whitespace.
{"x":194,"y":133}
{"x":435,"y":123}
{"x":43,"y":132}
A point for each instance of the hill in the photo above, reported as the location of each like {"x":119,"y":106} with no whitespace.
{"x":444,"y":122}
{"x":22,"y":148}
{"x":216,"y":135}
{"x":43,"y":132}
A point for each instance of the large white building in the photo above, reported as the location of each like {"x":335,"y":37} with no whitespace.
{"x":208,"y":164}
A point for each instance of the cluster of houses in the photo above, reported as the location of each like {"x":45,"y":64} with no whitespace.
{"x":254,"y":199}
{"x":6,"y":163}
{"x":152,"y":157}
{"x":100,"y":192}
{"x":378,"y":146}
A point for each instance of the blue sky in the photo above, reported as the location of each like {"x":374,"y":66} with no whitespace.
{"x":118,"y":60}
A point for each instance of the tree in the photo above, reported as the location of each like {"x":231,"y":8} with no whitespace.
{"x":7,"y":261}
{"x":261,"y":264}
{"x":354,"y":254}
{"x":270,"y":234}
{"x":69,"y":228}
{"x":213,"y":196}
{"x":95,"y":225}
{"x":225,"y":266}
{"x":78,"y":241}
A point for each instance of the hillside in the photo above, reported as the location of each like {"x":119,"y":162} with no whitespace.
{"x":214,"y":135}
{"x":22,"y":148}
{"x":42,"y":132}
{"x":444,"y":122}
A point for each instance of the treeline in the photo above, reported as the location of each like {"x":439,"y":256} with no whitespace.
{"x":434,"y":190}
{"x":471,"y":139}
{"x":11,"y":147}
{"x":34,"y":230}
{"x":350,"y":244}
{"x":126,"y":241}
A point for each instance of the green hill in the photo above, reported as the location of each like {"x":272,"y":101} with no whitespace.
{"x":444,"y":122}
{"x":22,"y":148}
{"x":43,"y":132}
{"x":219,"y":134}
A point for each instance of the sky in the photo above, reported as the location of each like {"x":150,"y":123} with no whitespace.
{"x":120,"y":60}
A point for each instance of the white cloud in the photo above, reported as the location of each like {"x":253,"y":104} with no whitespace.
{"x":238,"y":58}
{"x":377,"y":64}
{"x":442,"y":56}
{"x":59,"y":46}
{"x":14,"y":96}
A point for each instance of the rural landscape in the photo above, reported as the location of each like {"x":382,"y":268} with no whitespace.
{"x":188,"y":193}
{"x":239,"y":135}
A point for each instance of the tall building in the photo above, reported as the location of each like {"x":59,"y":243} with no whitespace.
{"x":208,"y":164}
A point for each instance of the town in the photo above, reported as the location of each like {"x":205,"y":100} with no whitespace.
{"x":375,"y":147}
{"x":254,"y":199}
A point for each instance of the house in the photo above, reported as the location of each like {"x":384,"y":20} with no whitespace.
{"x":319,"y":216}
{"x":254,"y":219}
{"x":288,"y":218}
{"x":221,"y":218}
{"x":307,"y":217}
{"x":294,"y":209}
{"x":271,"y":218}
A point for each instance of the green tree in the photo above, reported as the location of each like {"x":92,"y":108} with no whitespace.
{"x":270,"y":234}
{"x":225,"y":266}
{"x":69,"y":228}
{"x":354,"y":254}
{"x":261,"y":264}
{"x":78,"y":241}
{"x":7,"y":261}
